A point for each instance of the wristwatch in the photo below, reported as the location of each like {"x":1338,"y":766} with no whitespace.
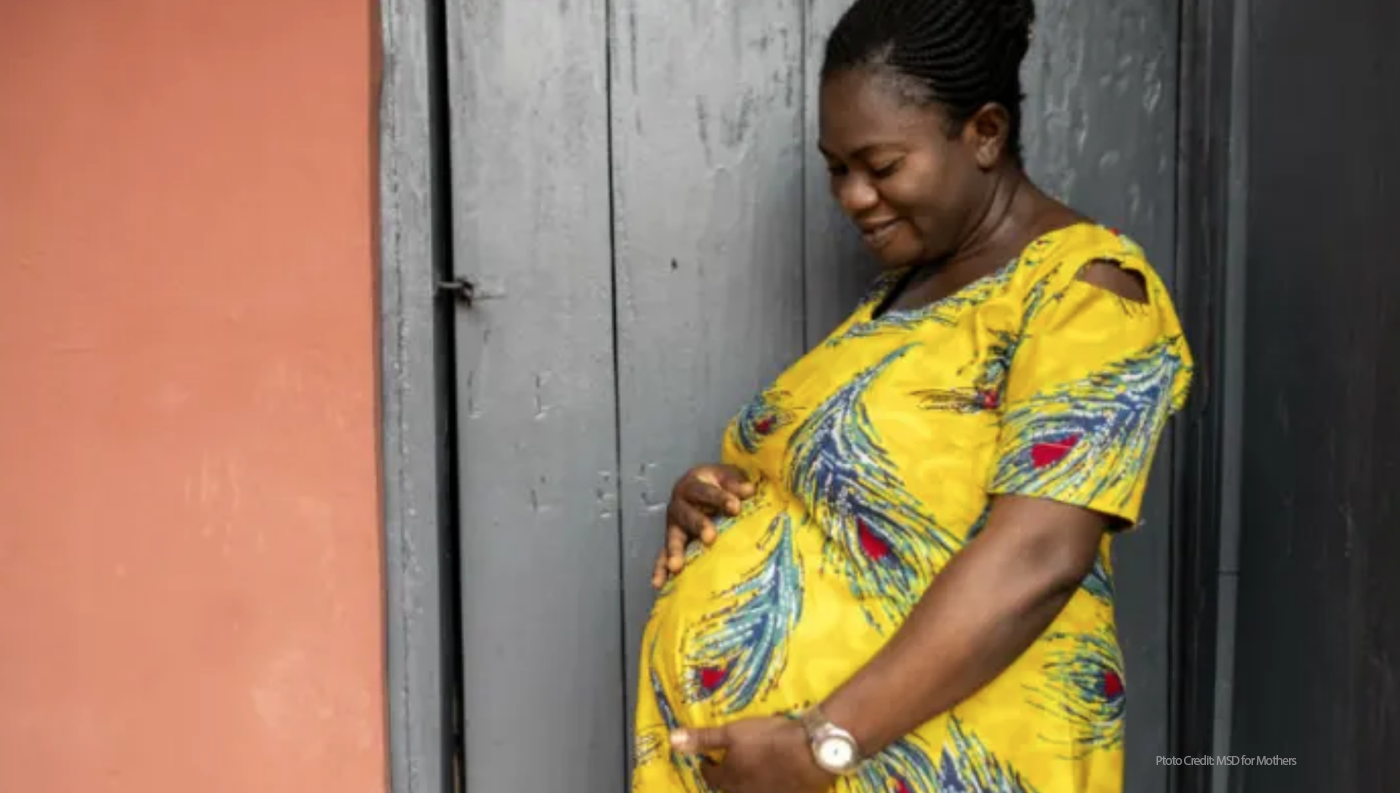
{"x":833,"y":748}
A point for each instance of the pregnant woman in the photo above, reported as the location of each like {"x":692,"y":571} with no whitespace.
{"x":898,"y":577}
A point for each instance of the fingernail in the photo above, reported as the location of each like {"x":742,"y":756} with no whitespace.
{"x":680,"y":739}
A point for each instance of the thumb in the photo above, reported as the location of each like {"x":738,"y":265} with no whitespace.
{"x":700,"y":740}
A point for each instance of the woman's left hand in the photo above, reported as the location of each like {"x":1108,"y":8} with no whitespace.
{"x":764,"y":755}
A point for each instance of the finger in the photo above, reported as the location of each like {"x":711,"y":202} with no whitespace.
{"x":734,"y":480}
{"x":693,"y":523}
{"x":700,"y":740}
{"x":659,"y":570}
{"x":715,"y":776}
{"x":676,"y":540}
{"x":709,"y":494}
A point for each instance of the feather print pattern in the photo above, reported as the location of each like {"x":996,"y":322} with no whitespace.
{"x":1092,"y":438}
{"x":1084,"y":684}
{"x":967,"y":766}
{"x":737,"y":652}
{"x":886,"y":323}
{"x":889,"y":322}
{"x":995,"y":365}
{"x":964,"y":765}
{"x":687,"y":766}
{"x":1038,"y":297}
{"x":903,"y":767}
{"x":883,"y":538}
{"x":648,"y":747}
{"x":1099,"y":583}
{"x":985,"y":392}
{"x":760,"y":418}
{"x":956,"y":400}
{"x":943,"y":312}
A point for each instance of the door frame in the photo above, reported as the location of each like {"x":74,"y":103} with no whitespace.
{"x":416,"y":390}
{"x":1207,"y":438}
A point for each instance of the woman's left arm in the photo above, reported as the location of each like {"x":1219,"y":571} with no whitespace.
{"x":985,"y":608}
{"x":1001,"y":592}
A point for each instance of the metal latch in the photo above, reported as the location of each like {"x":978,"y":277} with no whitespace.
{"x":468,"y":293}
{"x":459,"y":289}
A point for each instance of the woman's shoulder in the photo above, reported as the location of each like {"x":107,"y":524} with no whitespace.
{"x":1064,"y":254}
{"x":1092,"y":256}
{"x":1090,"y":292}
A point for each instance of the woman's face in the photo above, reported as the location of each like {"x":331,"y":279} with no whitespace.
{"x":913,"y":191}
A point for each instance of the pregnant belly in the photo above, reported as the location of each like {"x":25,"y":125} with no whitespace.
{"x":762,"y":622}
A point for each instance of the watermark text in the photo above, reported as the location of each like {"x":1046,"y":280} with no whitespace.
{"x":1229,"y":760}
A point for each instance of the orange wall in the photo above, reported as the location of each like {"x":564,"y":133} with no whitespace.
{"x":189,"y":553}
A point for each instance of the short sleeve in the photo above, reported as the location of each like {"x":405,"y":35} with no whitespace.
{"x":1092,"y":383}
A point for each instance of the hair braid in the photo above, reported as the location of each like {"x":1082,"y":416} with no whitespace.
{"x":961,"y":54}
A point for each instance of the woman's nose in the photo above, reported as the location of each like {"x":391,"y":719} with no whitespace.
{"x":856,"y":195}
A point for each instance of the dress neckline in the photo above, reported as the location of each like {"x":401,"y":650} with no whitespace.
{"x":900,"y":278}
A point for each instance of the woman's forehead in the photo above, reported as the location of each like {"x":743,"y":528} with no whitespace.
{"x":860,"y":110}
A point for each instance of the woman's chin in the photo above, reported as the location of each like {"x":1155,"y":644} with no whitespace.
{"x":896,"y":257}
{"x":895,"y":246}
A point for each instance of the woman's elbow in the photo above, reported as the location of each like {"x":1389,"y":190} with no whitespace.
{"x":1065,"y":559}
{"x":1053,"y":555}
{"x":1041,"y":548}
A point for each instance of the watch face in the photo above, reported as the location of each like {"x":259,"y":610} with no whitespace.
{"x":835,"y":754}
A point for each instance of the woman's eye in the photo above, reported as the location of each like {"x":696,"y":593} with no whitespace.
{"x":835,"y":169}
{"x":885,"y":170}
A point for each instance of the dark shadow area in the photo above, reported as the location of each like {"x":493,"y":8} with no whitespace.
{"x":1318,"y":645}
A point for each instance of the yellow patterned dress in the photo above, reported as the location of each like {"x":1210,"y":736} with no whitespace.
{"x":875,"y":457}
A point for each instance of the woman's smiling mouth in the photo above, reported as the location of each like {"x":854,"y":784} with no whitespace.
{"x":878,"y":235}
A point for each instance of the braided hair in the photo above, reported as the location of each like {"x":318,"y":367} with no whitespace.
{"x":960,"y":54}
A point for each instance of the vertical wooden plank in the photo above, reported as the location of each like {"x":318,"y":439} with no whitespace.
{"x":838,"y":267}
{"x":1100,"y":132}
{"x":540,"y":576}
{"x":414,"y":367}
{"x":707,"y":135}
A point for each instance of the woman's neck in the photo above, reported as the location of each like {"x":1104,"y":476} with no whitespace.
{"x":1015,"y":213}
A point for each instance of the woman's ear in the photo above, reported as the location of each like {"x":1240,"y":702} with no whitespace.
{"x":987,"y":132}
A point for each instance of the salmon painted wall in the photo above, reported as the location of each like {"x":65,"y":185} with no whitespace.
{"x":190,"y":593}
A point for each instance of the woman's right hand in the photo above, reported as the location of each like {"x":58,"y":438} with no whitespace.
{"x":704,"y":491}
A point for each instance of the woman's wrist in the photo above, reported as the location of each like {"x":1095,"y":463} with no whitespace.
{"x":852,"y":709}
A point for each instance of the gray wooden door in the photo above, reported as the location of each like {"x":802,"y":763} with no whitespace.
{"x":1315,"y":636}
{"x":637,"y":195}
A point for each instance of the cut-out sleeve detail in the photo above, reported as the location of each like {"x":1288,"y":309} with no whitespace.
{"x":1110,"y":274}
{"x":1095,"y":377}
